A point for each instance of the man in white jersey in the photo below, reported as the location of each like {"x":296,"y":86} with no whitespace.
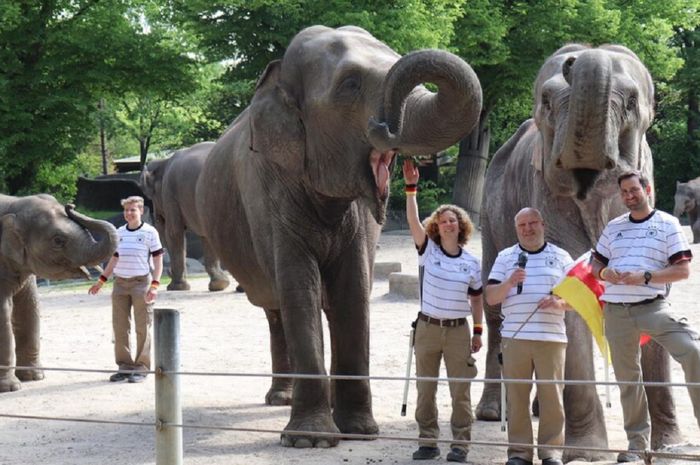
{"x":450,"y":283}
{"x":638,"y":255}
{"x":534,"y":335}
{"x":139,"y":248}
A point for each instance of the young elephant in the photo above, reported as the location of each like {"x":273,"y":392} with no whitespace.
{"x":293,"y":194}
{"x":39,"y":237}
{"x":687,"y":200}
{"x":170,"y":184}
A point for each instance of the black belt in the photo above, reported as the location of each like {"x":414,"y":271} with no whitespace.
{"x":641,"y":302}
{"x":443,"y":323}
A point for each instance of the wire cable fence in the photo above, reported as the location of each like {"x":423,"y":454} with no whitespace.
{"x":168,"y":409}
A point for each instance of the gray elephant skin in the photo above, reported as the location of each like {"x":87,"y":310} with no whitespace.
{"x":591,"y":111}
{"x":171,"y":185}
{"x":687,"y":200}
{"x":39,"y":237}
{"x":293,"y":194}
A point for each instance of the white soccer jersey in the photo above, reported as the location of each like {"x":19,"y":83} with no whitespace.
{"x":447,"y":281}
{"x":649,"y":244}
{"x":135,"y":250}
{"x":521,"y":317}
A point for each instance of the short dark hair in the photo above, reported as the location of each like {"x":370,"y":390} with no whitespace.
{"x":643,"y":180}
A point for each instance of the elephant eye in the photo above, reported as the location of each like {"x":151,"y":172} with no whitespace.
{"x":546,"y":103}
{"x":349,"y":87}
{"x":58,"y":241}
{"x":631,"y":103}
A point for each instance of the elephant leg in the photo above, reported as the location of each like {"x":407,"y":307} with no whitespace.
{"x":299,"y":287}
{"x":585,"y":421}
{"x":25,"y":324}
{"x":175,"y":237}
{"x":656,"y":366}
{"x":280,"y":392}
{"x":489,"y":407}
{"x":695,"y":227}
{"x":348,"y":291}
{"x":218,"y":281}
{"x":8,"y":380}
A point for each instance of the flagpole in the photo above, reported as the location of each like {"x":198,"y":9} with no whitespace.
{"x":606,"y":356}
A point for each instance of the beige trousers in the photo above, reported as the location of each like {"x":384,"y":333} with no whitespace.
{"x":623,"y":326}
{"x":127,"y":293}
{"x":432,"y":344}
{"x":522,"y":358}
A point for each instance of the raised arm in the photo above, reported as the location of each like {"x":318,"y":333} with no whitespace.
{"x":410,"y":176}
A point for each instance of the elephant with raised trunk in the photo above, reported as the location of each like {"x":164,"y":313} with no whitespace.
{"x":293,"y":195}
{"x":591,"y":111}
{"x":171,"y":184}
{"x":687,"y":200}
{"x":39,"y":237}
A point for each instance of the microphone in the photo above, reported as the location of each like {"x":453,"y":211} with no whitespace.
{"x":522,"y":261}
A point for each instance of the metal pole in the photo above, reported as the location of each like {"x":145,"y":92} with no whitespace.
{"x":411,"y":340}
{"x":168,"y":399}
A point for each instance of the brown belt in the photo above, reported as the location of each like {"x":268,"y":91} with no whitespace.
{"x":443,"y":323}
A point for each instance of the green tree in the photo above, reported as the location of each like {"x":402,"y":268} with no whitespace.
{"x":58,"y":59}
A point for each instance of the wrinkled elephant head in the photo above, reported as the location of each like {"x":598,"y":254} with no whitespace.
{"x":340,"y":101}
{"x":685,"y":200}
{"x":43,"y":237}
{"x":592,"y":108}
{"x":152,"y":177}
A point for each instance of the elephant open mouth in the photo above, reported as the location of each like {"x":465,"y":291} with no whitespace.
{"x":382,"y":163}
{"x":585,"y":180}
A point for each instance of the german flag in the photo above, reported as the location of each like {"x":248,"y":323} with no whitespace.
{"x":582,"y":291}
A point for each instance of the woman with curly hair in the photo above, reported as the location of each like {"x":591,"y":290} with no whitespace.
{"x":451,"y":289}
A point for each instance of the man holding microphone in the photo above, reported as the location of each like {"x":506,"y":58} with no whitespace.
{"x":534,"y":335}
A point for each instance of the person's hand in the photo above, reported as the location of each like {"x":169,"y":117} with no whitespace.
{"x":631,"y":278}
{"x":95,"y":288}
{"x":552,"y":302}
{"x":410,"y":172}
{"x":518,"y":276}
{"x":476,"y":343}
{"x":151,"y":295}
{"x":613,"y":276}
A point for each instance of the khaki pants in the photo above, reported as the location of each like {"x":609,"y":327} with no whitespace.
{"x":623,"y":326}
{"x":522,"y":358}
{"x":130,"y":292}
{"x":454,"y":345}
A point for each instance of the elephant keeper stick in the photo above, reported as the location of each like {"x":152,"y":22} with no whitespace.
{"x":411,"y":343}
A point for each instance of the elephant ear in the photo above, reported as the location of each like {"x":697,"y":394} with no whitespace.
{"x":276,"y":128}
{"x":11,"y":242}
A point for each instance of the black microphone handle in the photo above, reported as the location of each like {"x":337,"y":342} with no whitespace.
{"x":520,"y":288}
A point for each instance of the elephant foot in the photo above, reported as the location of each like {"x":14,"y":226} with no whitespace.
{"x":30,"y":375}
{"x":489,"y":407}
{"x":218,"y":284}
{"x":586,"y":440}
{"x":313,"y":423}
{"x":279,"y":395}
{"x":10,"y":383}
{"x":355,"y":422}
{"x":178,"y":286}
{"x":665,"y":435}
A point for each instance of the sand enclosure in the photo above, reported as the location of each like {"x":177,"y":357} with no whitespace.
{"x":223,"y":332}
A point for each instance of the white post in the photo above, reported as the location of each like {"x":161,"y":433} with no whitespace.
{"x":168,"y":399}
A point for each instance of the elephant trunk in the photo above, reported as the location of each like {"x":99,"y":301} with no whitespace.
{"x":94,"y":251}
{"x":416,"y":121}
{"x":591,"y":137}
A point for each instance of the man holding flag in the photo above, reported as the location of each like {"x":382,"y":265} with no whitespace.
{"x":639,"y":255}
{"x":534,"y":335}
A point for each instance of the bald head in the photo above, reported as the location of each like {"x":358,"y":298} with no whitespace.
{"x":529,"y":227}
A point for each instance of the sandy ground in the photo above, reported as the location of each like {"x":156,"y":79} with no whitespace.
{"x":222,"y":332}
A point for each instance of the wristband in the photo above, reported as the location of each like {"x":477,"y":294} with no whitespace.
{"x":600,"y":273}
{"x":102,"y":279}
{"x":478,"y":329}
{"x":411,"y":186}
{"x":411,"y":189}
{"x":154,"y":284}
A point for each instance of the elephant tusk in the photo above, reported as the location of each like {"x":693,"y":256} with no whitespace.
{"x":85,"y":272}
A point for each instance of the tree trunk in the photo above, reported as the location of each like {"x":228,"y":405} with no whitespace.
{"x":103,"y":145}
{"x":471,"y":168}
